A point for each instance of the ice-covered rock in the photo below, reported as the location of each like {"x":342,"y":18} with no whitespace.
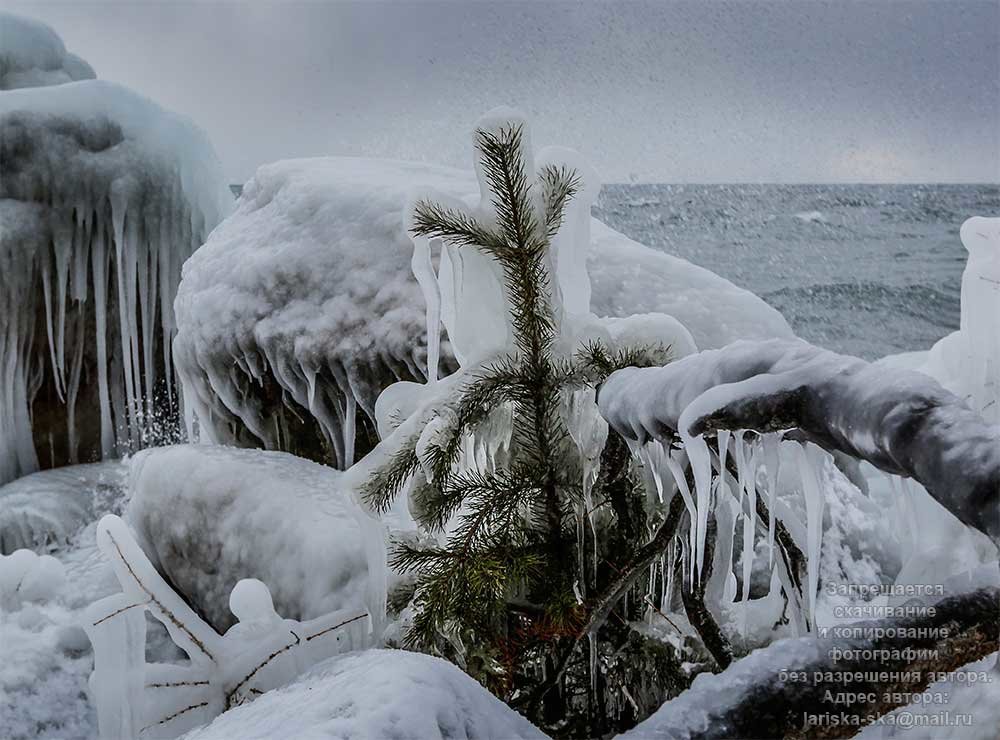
{"x":33,"y":55}
{"x":209,"y":516}
{"x":104,"y":194}
{"x":375,"y":694}
{"x":44,"y":511}
{"x":302,"y":306}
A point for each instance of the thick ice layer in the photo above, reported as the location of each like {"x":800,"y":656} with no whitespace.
{"x":209,"y":516}
{"x":375,"y":694}
{"x":103,"y":196}
{"x":305,"y":298}
{"x":45,"y":511}
{"x":33,"y":55}
{"x":900,"y":421}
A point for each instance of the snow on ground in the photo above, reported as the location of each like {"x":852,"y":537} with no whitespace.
{"x":307,"y":290}
{"x":374,"y":694}
{"x":46,"y":655}
{"x":209,"y":516}
{"x":33,"y":55}
{"x":103,"y":196}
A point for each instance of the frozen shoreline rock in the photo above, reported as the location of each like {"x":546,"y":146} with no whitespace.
{"x":302,"y":306}
{"x":233,"y":514}
{"x":104,"y":194}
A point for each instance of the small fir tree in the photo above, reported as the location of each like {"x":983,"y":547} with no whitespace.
{"x":505,"y":593}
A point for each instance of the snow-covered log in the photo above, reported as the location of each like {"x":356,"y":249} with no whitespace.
{"x":33,"y":55}
{"x":375,"y":694}
{"x":232,"y":514}
{"x":302,"y":306}
{"x":103,"y":196}
{"x":900,"y":421}
{"x":773,"y":691}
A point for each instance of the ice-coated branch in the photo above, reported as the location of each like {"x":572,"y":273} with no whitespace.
{"x":901,"y":422}
{"x":754,"y":697}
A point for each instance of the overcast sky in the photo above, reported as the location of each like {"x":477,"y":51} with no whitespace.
{"x":795,"y":91}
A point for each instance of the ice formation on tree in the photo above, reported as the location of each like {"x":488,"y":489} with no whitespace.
{"x":375,"y":694}
{"x":303,"y":306}
{"x":103,"y":196}
{"x":33,"y":55}
{"x":900,"y":421}
{"x":261,"y":652}
{"x":234,"y":514}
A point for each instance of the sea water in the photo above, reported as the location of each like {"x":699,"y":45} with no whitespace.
{"x":868,"y":270}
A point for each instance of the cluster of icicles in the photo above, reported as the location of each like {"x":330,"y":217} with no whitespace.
{"x":107,"y":276}
{"x":731,"y":497}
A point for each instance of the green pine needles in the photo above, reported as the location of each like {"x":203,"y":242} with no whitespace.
{"x":502,"y":593}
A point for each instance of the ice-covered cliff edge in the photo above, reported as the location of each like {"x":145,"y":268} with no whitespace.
{"x":104,"y":194}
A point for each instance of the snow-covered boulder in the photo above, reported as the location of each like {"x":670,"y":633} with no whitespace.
{"x":375,"y":694}
{"x":33,"y":55}
{"x":302,"y":306}
{"x":208,"y":516}
{"x":103,"y":195}
{"x":46,"y":510}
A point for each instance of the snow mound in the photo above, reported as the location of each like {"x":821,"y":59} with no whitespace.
{"x":45,"y":511}
{"x":104,"y":194}
{"x":302,"y":306}
{"x":375,"y":694}
{"x":33,"y":55}
{"x":209,"y":516}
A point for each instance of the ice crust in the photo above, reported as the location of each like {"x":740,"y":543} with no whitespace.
{"x":104,"y":194}
{"x":33,"y":55}
{"x":305,"y":298}
{"x":375,"y":694}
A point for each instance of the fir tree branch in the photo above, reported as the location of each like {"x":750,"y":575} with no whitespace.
{"x":433,"y":220}
{"x":559,"y":185}
{"x":385,"y":484}
{"x":503,"y":167}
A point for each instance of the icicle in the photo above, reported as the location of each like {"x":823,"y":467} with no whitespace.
{"x":748,"y":476}
{"x":100,"y":261}
{"x":810,"y":463}
{"x":701,"y":467}
{"x":423,"y":271}
{"x":592,"y":644}
{"x":678,"y":472}
{"x":723,"y":438}
{"x":772,"y":462}
{"x":350,"y":415}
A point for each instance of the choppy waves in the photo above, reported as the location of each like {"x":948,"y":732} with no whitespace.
{"x":864,"y":269}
